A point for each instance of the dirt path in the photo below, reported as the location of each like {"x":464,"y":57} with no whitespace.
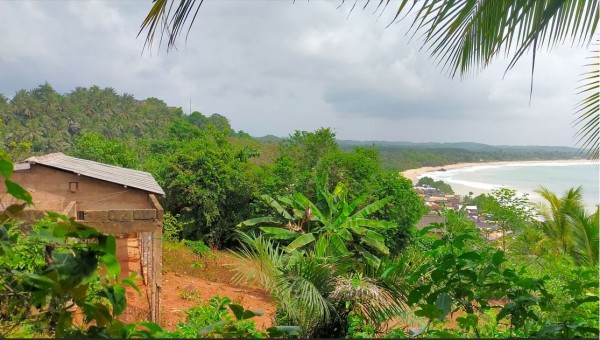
{"x":181,"y":292}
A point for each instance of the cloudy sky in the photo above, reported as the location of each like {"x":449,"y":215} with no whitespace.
{"x":275,"y":66}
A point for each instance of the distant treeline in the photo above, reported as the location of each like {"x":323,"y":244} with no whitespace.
{"x":41,"y":120}
{"x":401,"y":156}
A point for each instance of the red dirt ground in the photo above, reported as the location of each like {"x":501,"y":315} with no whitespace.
{"x":185,"y":286}
{"x":175,"y":286}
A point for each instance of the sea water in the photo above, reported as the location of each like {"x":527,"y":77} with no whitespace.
{"x":526,"y":178}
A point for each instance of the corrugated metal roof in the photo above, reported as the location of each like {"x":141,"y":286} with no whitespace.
{"x":110,"y":173}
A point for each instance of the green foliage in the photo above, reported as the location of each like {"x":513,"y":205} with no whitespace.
{"x":462,"y":273}
{"x":358,"y":328}
{"x":42,"y":121}
{"x":215,"y":121}
{"x":318,"y":288}
{"x":568,"y":227}
{"x":346,"y":223}
{"x":509,"y":210}
{"x":215,"y":319}
{"x":400,"y":156}
{"x":51,"y":270}
{"x":198,"y":248}
{"x":310,"y":147}
{"x":172,"y":227}
{"x":95,"y":147}
{"x":405,"y":209}
{"x":18,"y":150}
{"x":206,"y":182}
{"x":440,"y":185}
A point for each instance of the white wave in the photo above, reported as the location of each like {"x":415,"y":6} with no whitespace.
{"x":472,"y":184}
{"x":583,"y":162}
{"x":446,"y":175}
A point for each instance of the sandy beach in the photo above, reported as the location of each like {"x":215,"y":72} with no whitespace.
{"x":413,"y":174}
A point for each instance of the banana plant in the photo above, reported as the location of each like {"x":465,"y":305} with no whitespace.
{"x":298,"y":220}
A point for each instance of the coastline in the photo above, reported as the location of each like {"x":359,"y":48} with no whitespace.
{"x":413,"y":174}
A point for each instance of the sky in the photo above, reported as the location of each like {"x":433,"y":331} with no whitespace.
{"x":275,"y":66}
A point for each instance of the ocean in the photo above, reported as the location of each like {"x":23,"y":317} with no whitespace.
{"x":525,"y":178}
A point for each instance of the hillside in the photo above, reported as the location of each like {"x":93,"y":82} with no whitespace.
{"x":41,"y":120}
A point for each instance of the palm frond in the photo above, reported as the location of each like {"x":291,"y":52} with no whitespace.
{"x":300,"y":242}
{"x":304,"y":290}
{"x":587,"y":110}
{"x":558,"y":223}
{"x":367,"y":296}
{"x":584,"y":248}
{"x":466,"y":35}
{"x":373,"y":207}
{"x":168,"y":22}
{"x":275,"y":205}
{"x":258,"y":260}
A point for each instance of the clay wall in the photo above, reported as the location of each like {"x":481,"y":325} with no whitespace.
{"x":53,"y":189}
{"x":133,"y":216}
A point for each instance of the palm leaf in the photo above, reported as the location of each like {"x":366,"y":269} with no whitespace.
{"x":373,"y":299}
{"x":307,"y":203}
{"x":365,"y":222}
{"x":585,"y":238}
{"x":257,"y":260}
{"x":279,"y":233}
{"x":344,"y":234}
{"x":347,"y":210}
{"x":371,"y":259}
{"x":338,"y":245}
{"x":373,"y":207}
{"x":170,"y":22}
{"x":305,"y":287}
{"x":290,"y":202}
{"x":260,"y":220}
{"x":375,"y":242}
{"x":275,"y":205}
{"x":300,"y":242}
{"x":587,"y":110}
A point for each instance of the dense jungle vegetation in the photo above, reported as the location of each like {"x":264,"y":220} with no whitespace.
{"x":40,"y":120}
{"x":328,"y":231}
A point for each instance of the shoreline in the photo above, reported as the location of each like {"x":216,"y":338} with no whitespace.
{"x":414,"y":174}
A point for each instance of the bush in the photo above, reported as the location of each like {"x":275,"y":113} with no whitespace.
{"x":198,"y":248}
{"x":440,"y":185}
{"x":172,"y":227}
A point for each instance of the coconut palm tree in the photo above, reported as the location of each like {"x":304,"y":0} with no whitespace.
{"x":568,"y":226}
{"x":318,"y":288}
{"x":584,"y":247}
{"x":556,"y":213}
{"x":462,"y":35}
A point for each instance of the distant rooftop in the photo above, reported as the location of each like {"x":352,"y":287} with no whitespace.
{"x":105,"y":172}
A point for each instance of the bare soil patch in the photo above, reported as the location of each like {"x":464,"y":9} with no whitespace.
{"x":188,"y":280}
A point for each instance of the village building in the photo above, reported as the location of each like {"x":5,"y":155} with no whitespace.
{"x":436,"y":202}
{"x":430,"y":218}
{"x":114,"y":200}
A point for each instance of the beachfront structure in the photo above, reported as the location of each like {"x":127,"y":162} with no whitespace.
{"x":118,"y":201}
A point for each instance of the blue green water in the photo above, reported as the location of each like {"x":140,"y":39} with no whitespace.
{"x":525,"y":178}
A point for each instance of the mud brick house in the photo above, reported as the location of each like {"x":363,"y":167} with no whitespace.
{"x":118,"y":201}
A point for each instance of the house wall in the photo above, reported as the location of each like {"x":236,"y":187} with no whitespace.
{"x":133,"y":216}
{"x":50,"y":190}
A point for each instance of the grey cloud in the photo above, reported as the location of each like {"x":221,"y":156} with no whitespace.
{"x":273,"y":67}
